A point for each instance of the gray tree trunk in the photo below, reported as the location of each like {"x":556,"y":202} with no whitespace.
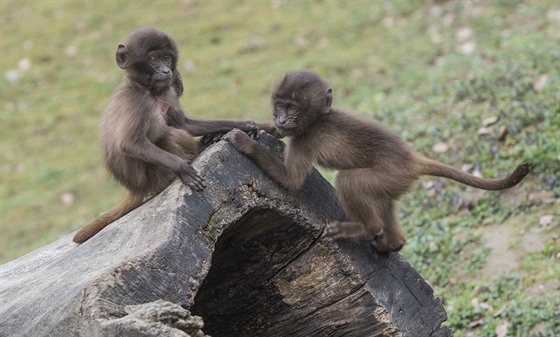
{"x":244,"y":255}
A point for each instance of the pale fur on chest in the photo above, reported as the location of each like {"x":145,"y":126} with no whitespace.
{"x":158,"y":116}
{"x":158,"y":123}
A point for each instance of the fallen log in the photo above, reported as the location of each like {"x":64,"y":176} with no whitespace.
{"x":245,"y":256}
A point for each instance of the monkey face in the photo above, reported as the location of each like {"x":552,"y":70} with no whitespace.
{"x":286,"y":117}
{"x":150,"y":58}
{"x":299,"y":100}
{"x":161,"y":65}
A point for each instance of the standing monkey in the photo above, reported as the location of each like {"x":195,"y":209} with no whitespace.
{"x":147,"y":140}
{"x":375,"y":165}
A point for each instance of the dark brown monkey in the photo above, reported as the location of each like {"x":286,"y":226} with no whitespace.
{"x":375,"y":165}
{"x":147,"y":140}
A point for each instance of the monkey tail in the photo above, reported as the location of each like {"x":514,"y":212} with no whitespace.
{"x":130,"y":202}
{"x":433,"y":168}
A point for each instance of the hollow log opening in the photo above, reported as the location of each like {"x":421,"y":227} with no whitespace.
{"x":272,"y":275}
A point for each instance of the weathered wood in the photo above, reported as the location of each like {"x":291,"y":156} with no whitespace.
{"x":248,"y":257}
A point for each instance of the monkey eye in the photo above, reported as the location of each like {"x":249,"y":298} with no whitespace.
{"x":291,"y":108}
{"x":153,"y":59}
{"x":167,"y":58}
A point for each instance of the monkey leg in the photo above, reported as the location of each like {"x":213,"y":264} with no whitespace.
{"x":180,"y":143}
{"x":177,"y":142}
{"x":356,"y":194}
{"x":363,"y":195}
{"x":392,"y":239}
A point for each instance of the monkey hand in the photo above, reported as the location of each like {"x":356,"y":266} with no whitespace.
{"x":241,"y":141}
{"x":251,"y":128}
{"x":270,"y":128}
{"x":248,"y":126}
{"x":208,"y":140}
{"x":191,"y":178}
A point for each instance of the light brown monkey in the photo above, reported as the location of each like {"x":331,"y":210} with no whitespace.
{"x":375,"y":165}
{"x":147,"y":140}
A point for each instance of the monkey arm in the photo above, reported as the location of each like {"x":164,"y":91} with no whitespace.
{"x":200,"y":127}
{"x":270,"y":128}
{"x":149,"y":152}
{"x":290,"y":173}
{"x":211,"y":138}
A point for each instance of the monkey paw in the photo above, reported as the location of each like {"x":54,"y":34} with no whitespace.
{"x":239,"y":139}
{"x":384,"y":245}
{"x":191,"y":178}
{"x":346,"y":230}
{"x":209,"y":139}
{"x":249,"y":126}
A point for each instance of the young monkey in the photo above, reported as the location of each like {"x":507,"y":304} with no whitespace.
{"x":147,"y":140}
{"x":375,"y":165}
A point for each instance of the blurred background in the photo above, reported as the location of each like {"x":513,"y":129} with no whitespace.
{"x":474,"y":84}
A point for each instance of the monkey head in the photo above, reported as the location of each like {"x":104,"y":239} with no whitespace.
{"x":298,"y":101}
{"x":150,"y":58}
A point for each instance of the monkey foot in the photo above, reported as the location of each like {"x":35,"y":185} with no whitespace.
{"x":387,"y":248}
{"x":384,"y":245}
{"x":348,"y":230}
{"x":357,"y":231}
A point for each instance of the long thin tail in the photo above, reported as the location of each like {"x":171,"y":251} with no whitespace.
{"x":433,"y":168}
{"x":130,"y":202}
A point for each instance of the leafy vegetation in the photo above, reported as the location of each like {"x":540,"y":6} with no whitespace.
{"x":434,"y":71}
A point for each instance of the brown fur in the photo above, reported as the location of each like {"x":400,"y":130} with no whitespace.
{"x":147,"y":140}
{"x":375,"y":165}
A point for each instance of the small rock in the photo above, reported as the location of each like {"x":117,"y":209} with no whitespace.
{"x":546,"y":220}
{"x":428,"y":184}
{"x":553,"y":15}
{"x":463,"y":34}
{"x":476,"y":172}
{"x":484,"y":131}
{"x":502,"y":329}
{"x":476,"y":323}
{"x":540,"y":82}
{"x":67,"y":198}
{"x":440,"y":147}
{"x":466,"y":167}
{"x":466,"y":48}
{"x":537,"y":198}
{"x":24,"y":64}
{"x":490,"y":120}
{"x":71,"y":51}
{"x":12,"y":75}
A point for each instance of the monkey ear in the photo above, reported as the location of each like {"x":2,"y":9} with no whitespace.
{"x":121,"y":56}
{"x":328,"y":100}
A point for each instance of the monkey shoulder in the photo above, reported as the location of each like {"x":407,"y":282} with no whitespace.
{"x":369,"y":132}
{"x":352,"y":141}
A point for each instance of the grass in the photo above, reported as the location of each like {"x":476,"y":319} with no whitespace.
{"x":432,"y":71}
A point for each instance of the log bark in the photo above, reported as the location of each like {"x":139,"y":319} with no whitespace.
{"x":244,"y":255}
